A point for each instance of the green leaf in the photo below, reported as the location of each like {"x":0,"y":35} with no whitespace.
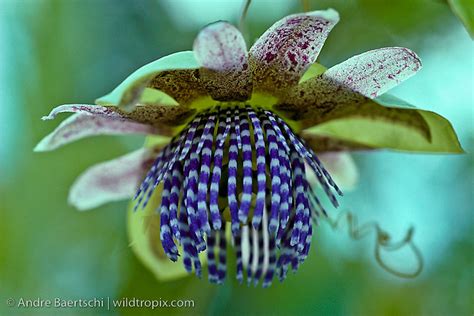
{"x":464,"y":10}
{"x":131,"y":89}
{"x":381,"y":132}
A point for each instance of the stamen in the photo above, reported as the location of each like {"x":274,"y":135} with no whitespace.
{"x":284,"y":260}
{"x":276,"y":205}
{"x":247,"y":169}
{"x":190,"y":136}
{"x":232,"y":184}
{"x":165,"y":231}
{"x":301,"y":149}
{"x":237,"y":127}
{"x":267,"y":280}
{"x":278,"y":131}
{"x":222,"y":133}
{"x":176,"y":181}
{"x":253,"y":259}
{"x":227,"y":128}
{"x":189,"y":248}
{"x":300,"y":196}
{"x":286,"y":184}
{"x":157,"y":164}
{"x":163,"y":156}
{"x":259,"y":269}
{"x":211,"y":257}
{"x":222,"y":256}
{"x":190,"y":188}
{"x":206,"y":141}
{"x":270,"y":217}
{"x":170,"y":161}
{"x":239,"y":259}
{"x":261,"y":169}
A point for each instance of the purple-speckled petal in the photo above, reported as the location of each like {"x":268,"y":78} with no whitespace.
{"x":220,"y":46}
{"x":221,"y":51}
{"x":81,"y":125}
{"x":82,"y":108}
{"x":286,"y":50}
{"x":376,"y":71}
{"x":110,"y":181}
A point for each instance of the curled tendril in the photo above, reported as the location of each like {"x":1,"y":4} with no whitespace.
{"x":382,"y":242}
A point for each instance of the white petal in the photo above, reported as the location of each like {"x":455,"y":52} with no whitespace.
{"x":82,"y":108}
{"x":112,"y":180}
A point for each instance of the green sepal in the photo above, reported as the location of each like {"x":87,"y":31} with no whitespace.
{"x":382,"y":133}
{"x":133,"y":89}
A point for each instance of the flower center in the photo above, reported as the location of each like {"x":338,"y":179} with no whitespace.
{"x":245,"y":166}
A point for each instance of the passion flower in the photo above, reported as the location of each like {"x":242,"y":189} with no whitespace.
{"x":243,"y":131}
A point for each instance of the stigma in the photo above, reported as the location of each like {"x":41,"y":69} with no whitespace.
{"x":237,"y":175}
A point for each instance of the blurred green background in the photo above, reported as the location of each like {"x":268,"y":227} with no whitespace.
{"x":72,"y":51}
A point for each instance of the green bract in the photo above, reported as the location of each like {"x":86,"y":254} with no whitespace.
{"x":378,"y":132}
{"x":131,"y":90}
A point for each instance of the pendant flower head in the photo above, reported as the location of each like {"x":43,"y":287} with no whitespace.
{"x":242,"y":130}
